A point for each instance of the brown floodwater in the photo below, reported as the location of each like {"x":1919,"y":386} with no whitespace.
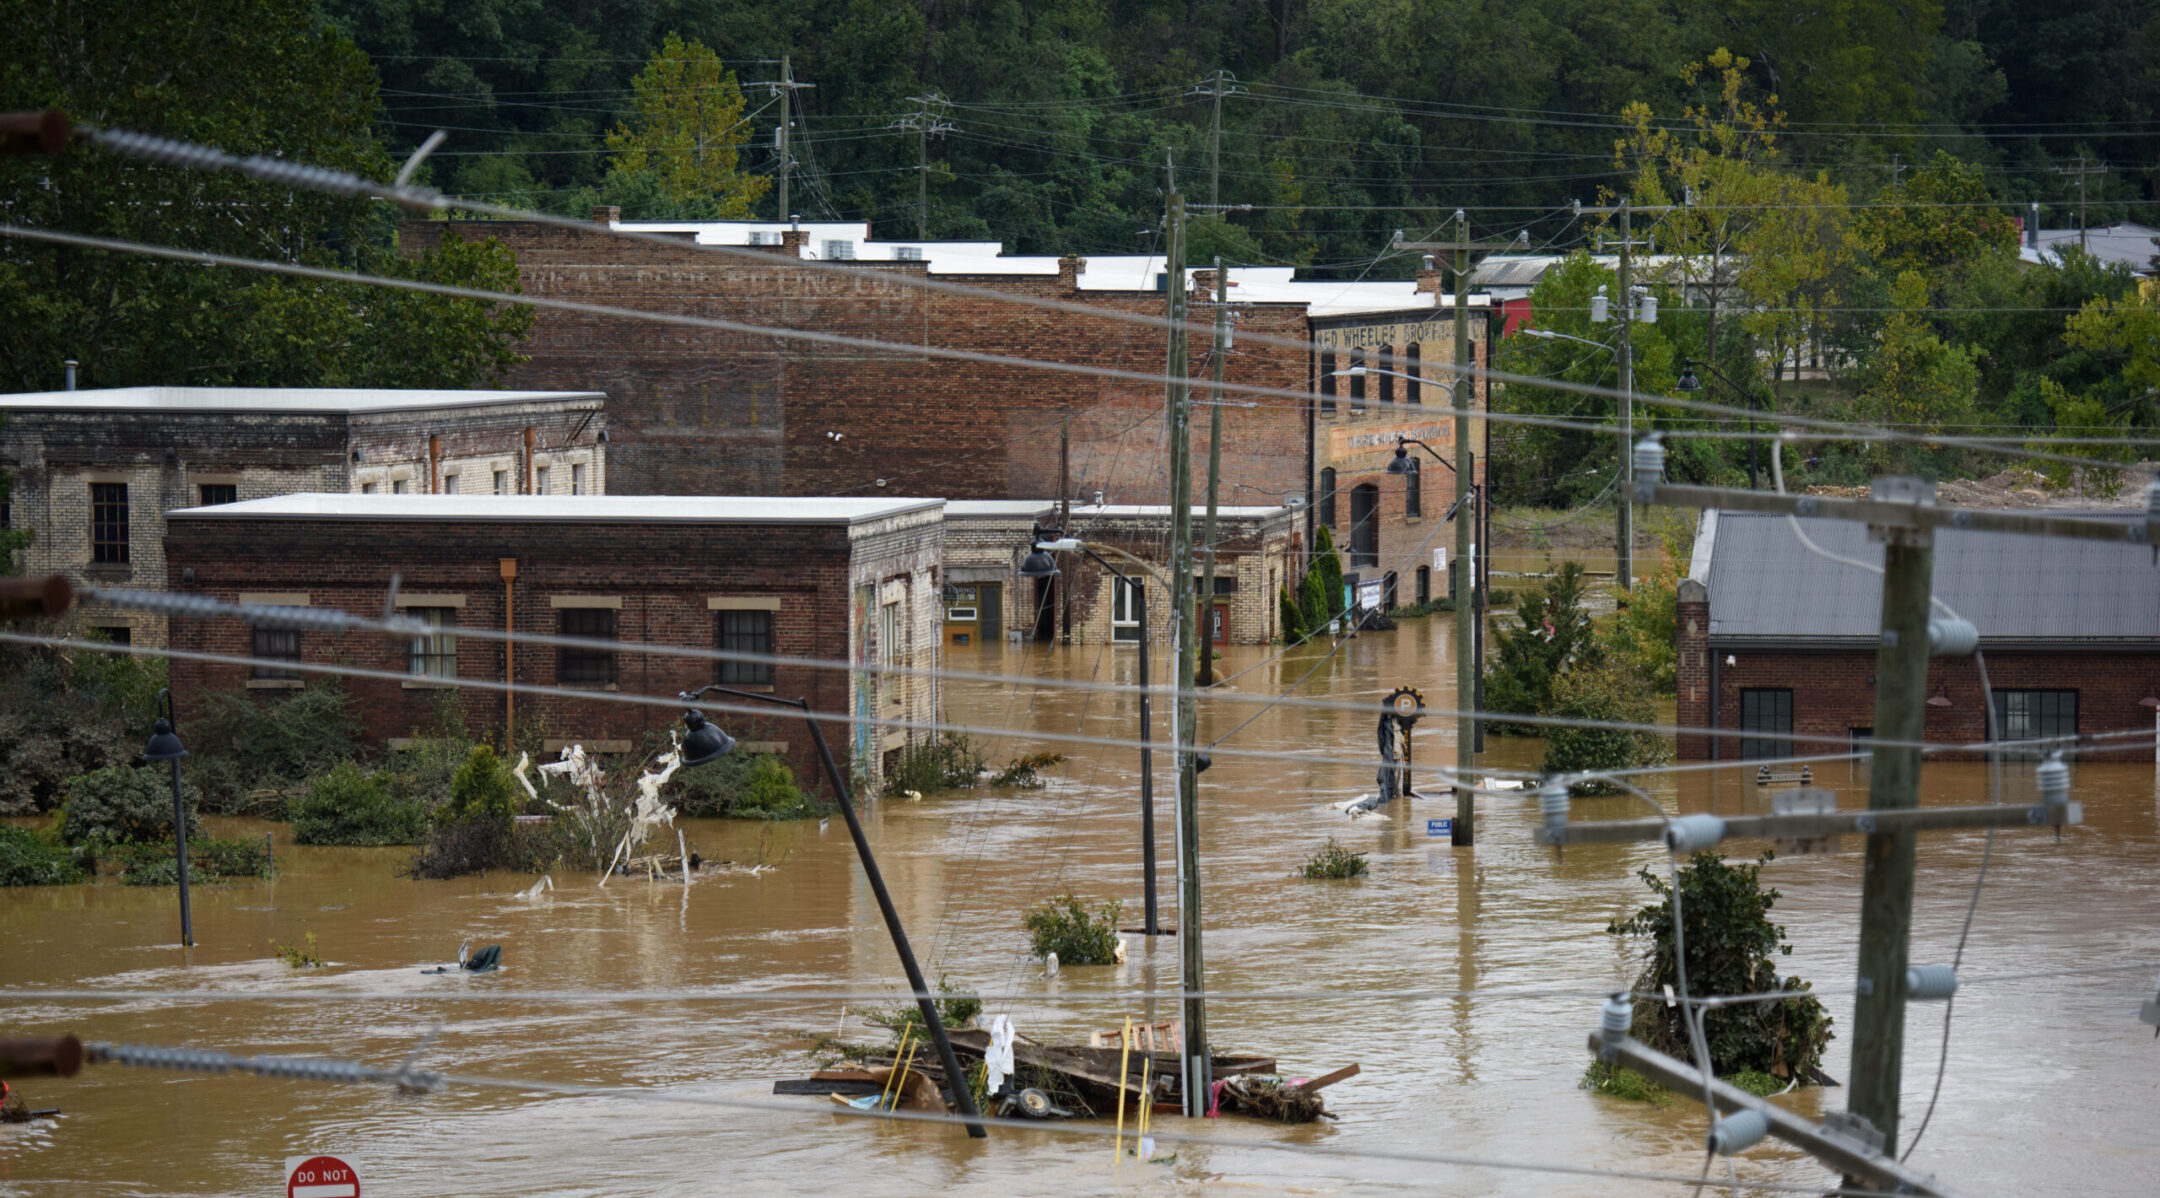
{"x":2050,"y":1085}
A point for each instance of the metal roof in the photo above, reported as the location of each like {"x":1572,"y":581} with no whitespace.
{"x":566,"y":509}
{"x":1765,"y":586}
{"x":324,"y":400}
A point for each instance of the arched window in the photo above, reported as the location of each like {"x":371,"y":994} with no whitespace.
{"x":1364,"y":526}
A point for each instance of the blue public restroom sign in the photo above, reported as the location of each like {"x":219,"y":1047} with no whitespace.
{"x":1439,"y":827}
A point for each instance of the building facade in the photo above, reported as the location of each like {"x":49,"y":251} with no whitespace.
{"x":96,"y":471}
{"x":1777,"y":645}
{"x":849,"y":583}
{"x":1390,"y":528}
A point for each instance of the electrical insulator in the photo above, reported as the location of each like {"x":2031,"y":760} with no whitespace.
{"x":1692,"y":833}
{"x":2054,"y":779}
{"x":1552,"y":801}
{"x":1615,"y":1017}
{"x":1650,"y":460}
{"x":1928,"y":983}
{"x":1952,"y":638}
{"x":1646,"y":309}
{"x":1600,"y":307}
{"x":1737,"y":1132}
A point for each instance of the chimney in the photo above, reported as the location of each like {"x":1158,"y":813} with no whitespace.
{"x":792,"y":241}
{"x":71,"y":364}
{"x":1070,"y":268}
{"x":606,"y":214}
{"x":2032,"y":226}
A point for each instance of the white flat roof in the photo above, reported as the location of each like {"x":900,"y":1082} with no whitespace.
{"x":329,"y":400}
{"x":996,"y":509}
{"x":567,"y":509}
{"x":1114,"y":511}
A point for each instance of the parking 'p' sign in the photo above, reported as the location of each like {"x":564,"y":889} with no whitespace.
{"x":320,"y":1177}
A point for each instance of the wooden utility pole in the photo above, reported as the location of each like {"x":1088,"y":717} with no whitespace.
{"x":2081,"y":170}
{"x":925,"y":124}
{"x":1461,"y":395}
{"x":1216,"y":86}
{"x":1065,"y":523}
{"x":1624,"y":516}
{"x":1184,"y":725}
{"x":1214,"y":475}
{"x":785,"y":88}
{"x":1901,"y":666}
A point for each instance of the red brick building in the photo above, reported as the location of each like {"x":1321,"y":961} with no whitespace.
{"x":1777,"y":642}
{"x":848,"y":580}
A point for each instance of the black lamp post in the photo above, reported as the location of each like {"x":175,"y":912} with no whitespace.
{"x":1689,"y":382}
{"x":705,"y":742}
{"x":165,"y":746}
{"x":1040,"y":564}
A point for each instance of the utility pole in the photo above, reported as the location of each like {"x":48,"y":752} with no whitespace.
{"x":1184,"y":725}
{"x":2081,"y":170}
{"x":1886,"y":889}
{"x":1215,"y":87}
{"x":1624,"y":518}
{"x":927,"y":122}
{"x":1065,"y":520}
{"x":785,"y":88}
{"x":1214,"y":475}
{"x":1467,"y":665}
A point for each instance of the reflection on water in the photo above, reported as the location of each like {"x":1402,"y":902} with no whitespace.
{"x":2064,"y":1061}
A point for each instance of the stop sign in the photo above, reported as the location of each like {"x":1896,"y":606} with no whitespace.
{"x":320,"y":1177}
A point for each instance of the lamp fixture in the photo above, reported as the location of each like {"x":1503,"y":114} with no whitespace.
{"x":2150,"y":699}
{"x":704,"y":741}
{"x":164,"y":743}
{"x":1403,"y":463}
{"x":1038,"y":564}
{"x":1940,"y":698}
{"x":1688,"y":381}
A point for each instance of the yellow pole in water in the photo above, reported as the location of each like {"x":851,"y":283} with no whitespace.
{"x":1124,"y":1062}
{"x":1147,"y":1103}
{"x":906,"y":1033}
{"x":900,"y":1086}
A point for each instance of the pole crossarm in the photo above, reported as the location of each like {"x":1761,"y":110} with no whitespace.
{"x":1834,"y":1148}
{"x":1839,"y":823}
{"x":1893,"y":514}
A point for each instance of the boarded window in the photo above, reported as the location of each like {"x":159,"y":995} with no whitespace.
{"x":109,"y":523}
{"x":581,"y":665}
{"x":744,"y":632}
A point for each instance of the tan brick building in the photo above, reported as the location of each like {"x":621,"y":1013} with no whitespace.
{"x":96,"y":471}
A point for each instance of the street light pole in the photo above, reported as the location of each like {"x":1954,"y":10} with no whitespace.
{"x":1688,"y":382}
{"x":165,"y":746}
{"x":1038,"y":564}
{"x":707,"y":743}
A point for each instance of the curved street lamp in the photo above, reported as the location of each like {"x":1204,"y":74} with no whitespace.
{"x":1690,"y":382}
{"x":165,"y":746}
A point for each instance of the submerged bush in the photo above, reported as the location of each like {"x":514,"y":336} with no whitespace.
{"x":250,"y":756}
{"x":69,"y":712}
{"x":209,"y":860}
{"x":31,"y":858}
{"x":1063,"y":925}
{"x":482,"y":789}
{"x":352,"y":806}
{"x":1025,"y":771}
{"x":743,"y":786}
{"x":1334,"y":861}
{"x":947,"y":762}
{"x":476,"y":829}
{"x":122,"y":804}
{"x":1605,"y":692}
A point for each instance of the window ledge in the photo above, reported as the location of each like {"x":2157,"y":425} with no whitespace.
{"x":109,"y":570}
{"x":427,"y":684}
{"x":742,"y":686}
{"x":590,"y":686}
{"x":1413,"y":519}
{"x":276,"y":684}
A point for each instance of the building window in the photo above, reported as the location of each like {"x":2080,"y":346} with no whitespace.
{"x":586,"y":666}
{"x":1357,"y":381}
{"x":449,"y":484}
{"x":502,"y":482}
{"x":1390,"y":598}
{"x":397,"y":486}
{"x":367,"y":488}
{"x":1413,"y":503}
{"x":577,"y":479}
{"x":275,"y":645}
{"x":540,"y":481}
{"x":744,"y":632}
{"x":839,"y":251}
{"x":1414,"y":386}
{"x":213,"y":494}
{"x":1424,"y":584}
{"x":1387,"y":381}
{"x":890,"y":649}
{"x":1224,"y":584}
{"x":1127,"y":601}
{"x":115,"y":634}
{"x":1327,"y":384}
{"x":1767,"y":712}
{"x":1327,"y":497}
{"x":2035,"y":715}
{"x":907,"y":253}
{"x":434,"y":653}
{"x":109,"y":523}
{"x":1364,"y":526}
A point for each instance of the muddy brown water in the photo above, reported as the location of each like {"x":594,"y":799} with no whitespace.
{"x":2049,"y":1089}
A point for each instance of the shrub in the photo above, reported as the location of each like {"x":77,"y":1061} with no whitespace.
{"x":56,"y":723}
{"x":1314,"y":594}
{"x":352,"y":806}
{"x":483,"y":789}
{"x":949,"y":761}
{"x":1025,"y":771}
{"x":1644,"y":630}
{"x":1063,"y":925}
{"x":456,"y":849}
{"x":1731,"y":947}
{"x":743,"y":786}
{"x":956,"y":1009}
{"x":122,"y":804}
{"x":1292,"y":616}
{"x":1334,"y":861}
{"x":209,"y":860}
{"x":250,"y":756}
{"x":1603,"y":693}
{"x":1327,"y":567}
{"x":29,"y":858}
{"x":771,"y":792}
{"x":1553,"y":636}
{"x":1623,"y":1082}
{"x":301,"y":955}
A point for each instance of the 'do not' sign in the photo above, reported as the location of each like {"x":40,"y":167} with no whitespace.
{"x":320,"y":1177}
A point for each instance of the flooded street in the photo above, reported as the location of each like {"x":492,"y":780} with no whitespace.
{"x":2049,"y":1089}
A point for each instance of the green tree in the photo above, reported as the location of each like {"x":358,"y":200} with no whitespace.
{"x":483,"y":792}
{"x":1609,"y":692}
{"x":1935,"y":220}
{"x":689,"y":131}
{"x":1915,"y":381}
{"x":1554,"y":634}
